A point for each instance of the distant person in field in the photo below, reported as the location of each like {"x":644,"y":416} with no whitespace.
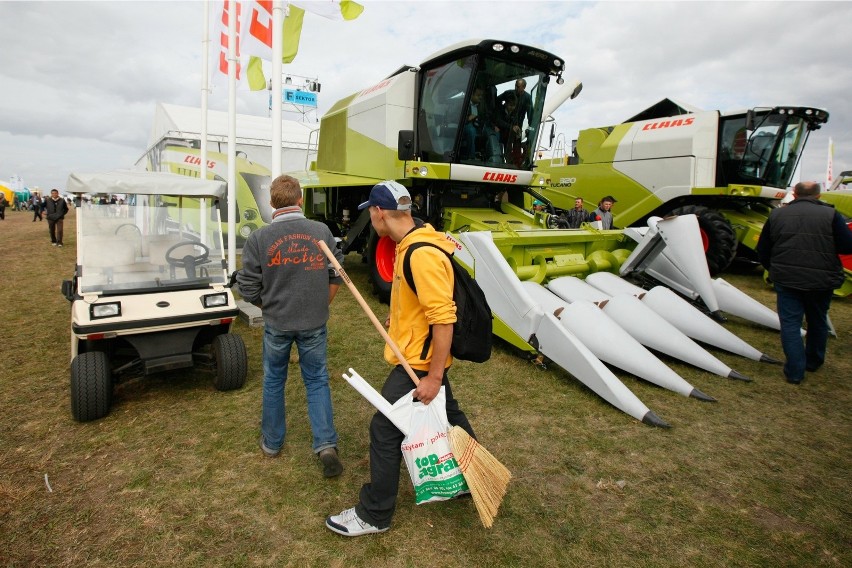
{"x":37,"y":205}
{"x":3,"y":203}
{"x":56,"y":208}
{"x":799,"y":245}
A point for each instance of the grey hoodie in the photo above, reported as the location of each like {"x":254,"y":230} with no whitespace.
{"x":285,"y":272}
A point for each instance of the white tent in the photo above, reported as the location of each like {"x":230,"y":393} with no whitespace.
{"x":254,"y":135}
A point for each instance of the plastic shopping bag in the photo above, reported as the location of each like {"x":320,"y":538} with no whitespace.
{"x":426,"y":449}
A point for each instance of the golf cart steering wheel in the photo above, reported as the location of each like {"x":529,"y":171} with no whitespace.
{"x":188,"y":261}
{"x":136,"y":227}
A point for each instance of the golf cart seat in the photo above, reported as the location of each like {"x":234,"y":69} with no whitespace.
{"x":107,"y":252}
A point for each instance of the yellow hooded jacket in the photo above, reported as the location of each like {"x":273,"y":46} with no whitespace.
{"x":410,"y":314}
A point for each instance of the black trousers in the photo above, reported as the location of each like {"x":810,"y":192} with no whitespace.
{"x":55,"y":227}
{"x":378,"y":498}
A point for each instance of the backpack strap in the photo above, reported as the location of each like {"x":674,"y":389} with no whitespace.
{"x":406,"y":263}
{"x":409,"y":279}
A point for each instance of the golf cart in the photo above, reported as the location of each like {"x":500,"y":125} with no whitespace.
{"x":150,"y":290}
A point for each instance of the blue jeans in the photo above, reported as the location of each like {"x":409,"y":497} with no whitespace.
{"x":311,"y":344}
{"x":794,"y":306}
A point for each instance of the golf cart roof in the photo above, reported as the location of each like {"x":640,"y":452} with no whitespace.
{"x":144,"y":183}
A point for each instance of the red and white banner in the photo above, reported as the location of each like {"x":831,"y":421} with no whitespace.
{"x":254,"y":32}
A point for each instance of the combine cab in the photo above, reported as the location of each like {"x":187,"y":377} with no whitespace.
{"x":729,"y":169}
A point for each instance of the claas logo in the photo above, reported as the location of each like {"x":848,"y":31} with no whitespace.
{"x":669,"y":123}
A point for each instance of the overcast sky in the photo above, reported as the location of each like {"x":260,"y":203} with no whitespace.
{"x":79,"y":81}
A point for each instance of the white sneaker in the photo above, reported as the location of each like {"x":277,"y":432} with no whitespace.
{"x":348,"y":523}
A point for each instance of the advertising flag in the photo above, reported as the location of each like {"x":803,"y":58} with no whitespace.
{"x":331,"y":9}
{"x":254,"y":31}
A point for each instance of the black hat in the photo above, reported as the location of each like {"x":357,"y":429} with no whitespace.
{"x":609,"y":198}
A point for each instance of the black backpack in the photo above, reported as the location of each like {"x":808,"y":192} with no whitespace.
{"x":472,"y":331}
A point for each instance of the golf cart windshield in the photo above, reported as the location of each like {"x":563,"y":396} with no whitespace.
{"x":148,"y":243}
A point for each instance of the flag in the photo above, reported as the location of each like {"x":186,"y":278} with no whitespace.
{"x":220,"y":36}
{"x":331,"y":9}
{"x":254,"y":30}
{"x":292,"y":33}
{"x":829,"y":175}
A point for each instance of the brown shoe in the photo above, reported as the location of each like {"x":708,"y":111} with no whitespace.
{"x":330,"y":462}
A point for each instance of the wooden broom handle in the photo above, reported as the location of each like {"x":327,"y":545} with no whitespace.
{"x":378,"y":325}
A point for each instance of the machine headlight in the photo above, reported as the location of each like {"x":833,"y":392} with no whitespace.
{"x":215,"y":300}
{"x":101,"y":311}
{"x":497,"y":47}
{"x":246,"y":230}
{"x":249,"y":214}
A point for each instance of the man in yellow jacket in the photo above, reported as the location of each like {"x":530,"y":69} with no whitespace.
{"x":422,"y":327}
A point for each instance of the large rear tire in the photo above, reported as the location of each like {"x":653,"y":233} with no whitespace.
{"x":229,"y":352}
{"x":380,"y":255}
{"x":720,"y":240}
{"x":91,"y":386}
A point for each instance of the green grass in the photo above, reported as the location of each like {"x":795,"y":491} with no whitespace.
{"x":173,"y":476}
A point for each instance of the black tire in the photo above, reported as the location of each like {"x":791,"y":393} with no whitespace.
{"x":381,"y":266}
{"x":91,"y":386}
{"x":721,"y":238}
{"x":229,"y":353}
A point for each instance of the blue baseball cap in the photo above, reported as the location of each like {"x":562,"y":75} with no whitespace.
{"x":387,"y":195}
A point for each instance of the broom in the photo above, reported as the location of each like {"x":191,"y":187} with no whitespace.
{"x":486,"y":477}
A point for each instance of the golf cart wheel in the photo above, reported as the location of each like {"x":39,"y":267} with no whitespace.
{"x":380,"y":256}
{"x":717,"y":235}
{"x":229,"y":352}
{"x":91,"y":386}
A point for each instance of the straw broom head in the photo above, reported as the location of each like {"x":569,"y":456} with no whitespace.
{"x":486,"y":477}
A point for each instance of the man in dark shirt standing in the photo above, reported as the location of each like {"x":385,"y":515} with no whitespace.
{"x":577,"y":216}
{"x":799,"y":245}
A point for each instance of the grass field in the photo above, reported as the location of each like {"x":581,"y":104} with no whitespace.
{"x":173,"y":475}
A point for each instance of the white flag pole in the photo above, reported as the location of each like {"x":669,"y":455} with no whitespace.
{"x":205,"y":89}
{"x":277,"y":47}
{"x":232,"y":135}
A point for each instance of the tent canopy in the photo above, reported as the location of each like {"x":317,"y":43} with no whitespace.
{"x":185,"y":122}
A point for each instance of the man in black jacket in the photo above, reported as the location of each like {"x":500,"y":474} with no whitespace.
{"x":56,"y":209}
{"x":799,"y":247}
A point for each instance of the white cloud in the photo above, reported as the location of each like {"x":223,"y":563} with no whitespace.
{"x":81,"y":79}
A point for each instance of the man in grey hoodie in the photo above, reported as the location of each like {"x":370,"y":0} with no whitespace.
{"x":286,"y":274}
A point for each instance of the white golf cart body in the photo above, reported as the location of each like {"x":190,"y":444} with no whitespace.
{"x":150,"y":290}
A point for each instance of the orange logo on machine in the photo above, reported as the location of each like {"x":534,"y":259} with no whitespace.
{"x":669,"y":123}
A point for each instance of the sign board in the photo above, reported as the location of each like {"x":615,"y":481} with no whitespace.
{"x":303,"y":98}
